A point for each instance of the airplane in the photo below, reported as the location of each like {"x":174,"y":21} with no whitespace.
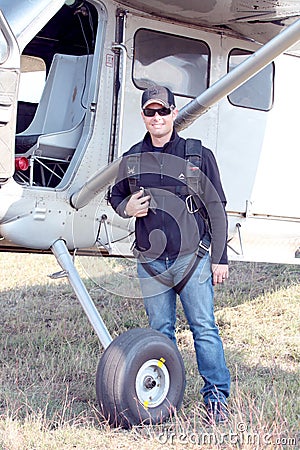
{"x":71,"y":77}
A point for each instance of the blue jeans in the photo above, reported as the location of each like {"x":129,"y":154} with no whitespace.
{"x":197,"y":298}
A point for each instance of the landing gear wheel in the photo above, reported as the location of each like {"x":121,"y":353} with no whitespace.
{"x":140,"y":379}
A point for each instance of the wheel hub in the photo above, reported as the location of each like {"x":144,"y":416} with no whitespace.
{"x":152,"y":383}
{"x":149,"y":383}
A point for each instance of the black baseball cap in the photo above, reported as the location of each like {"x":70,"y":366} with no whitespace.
{"x":158,"y":94}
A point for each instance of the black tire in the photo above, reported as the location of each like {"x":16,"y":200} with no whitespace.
{"x":140,"y":379}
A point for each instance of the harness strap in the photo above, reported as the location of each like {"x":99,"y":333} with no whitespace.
{"x":177,"y":190}
{"x":203,"y":248}
{"x":134,"y":171}
{"x":201,"y":251}
{"x":193,"y":156}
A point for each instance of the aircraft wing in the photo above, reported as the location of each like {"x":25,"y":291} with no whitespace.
{"x":259,"y":20}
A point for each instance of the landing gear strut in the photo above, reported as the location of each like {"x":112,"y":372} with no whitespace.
{"x":140,"y":377}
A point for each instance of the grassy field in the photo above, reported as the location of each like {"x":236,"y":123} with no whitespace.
{"x":49,"y":355}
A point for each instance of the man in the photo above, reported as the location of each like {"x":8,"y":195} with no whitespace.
{"x":179,"y":208}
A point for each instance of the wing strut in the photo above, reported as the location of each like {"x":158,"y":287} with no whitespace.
{"x":64,"y":259}
{"x":94,"y":185}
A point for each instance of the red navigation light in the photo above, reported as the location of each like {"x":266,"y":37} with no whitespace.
{"x":21,"y":163}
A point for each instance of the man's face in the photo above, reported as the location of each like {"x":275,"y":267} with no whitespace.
{"x":159,"y":126}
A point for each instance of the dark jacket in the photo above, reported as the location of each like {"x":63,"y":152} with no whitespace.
{"x":170,"y":229}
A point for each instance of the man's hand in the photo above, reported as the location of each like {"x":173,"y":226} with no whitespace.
{"x":220,"y":273}
{"x":138,"y":204}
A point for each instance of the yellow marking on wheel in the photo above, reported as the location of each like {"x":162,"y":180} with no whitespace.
{"x":161,"y":362}
{"x":146,"y":403}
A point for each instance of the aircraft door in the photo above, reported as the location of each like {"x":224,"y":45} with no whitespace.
{"x":9,"y":80}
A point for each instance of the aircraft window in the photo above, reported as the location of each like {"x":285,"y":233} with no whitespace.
{"x":3,"y":48}
{"x":32,"y":79}
{"x":181,"y":64}
{"x":256,"y":93}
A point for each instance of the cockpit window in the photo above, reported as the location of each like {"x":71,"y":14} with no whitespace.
{"x":32,"y":80}
{"x":3,"y":48}
{"x":180,"y":63}
{"x":256,"y":93}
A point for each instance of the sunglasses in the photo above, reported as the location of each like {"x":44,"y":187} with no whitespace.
{"x":148,"y":112}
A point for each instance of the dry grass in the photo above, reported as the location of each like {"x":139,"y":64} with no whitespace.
{"x":49,"y":355}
